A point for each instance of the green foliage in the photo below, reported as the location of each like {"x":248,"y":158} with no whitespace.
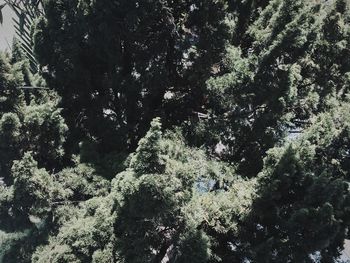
{"x":81,"y":183}
{"x":9,"y":142}
{"x":253,"y":99}
{"x":11,"y":98}
{"x":31,"y":188}
{"x":20,"y":63}
{"x":45,"y":132}
{"x":39,"y":202}
{"x":37,"y":127}
{"x":248,"y":160}
{"x":193,"y":247}
{"x":303,"y":203}
{"x":6,"y":200}
{"x":147,"y":158}
{"x":151,"y":215}
{"x":164,"y":214}
{"x":277,"y":79}
{"x":83,"y":236}
{"x":151,"y":197}
{"x":8,"y":242}
{"x":114,"y":61}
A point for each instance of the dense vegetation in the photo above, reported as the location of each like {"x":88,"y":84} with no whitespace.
{"x":177,"y":131}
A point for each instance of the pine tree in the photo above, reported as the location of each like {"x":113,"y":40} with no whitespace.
{"x":11,"y":97}
{"x":303,"y":202}
{"x":115,"y":61}
{"x":9,"y":144}
{"x":248,"y":162}
{"x":31,"y":188}
{"x":275,"y":81}
{"x":150,"y":224}
{"x":148,"y":157}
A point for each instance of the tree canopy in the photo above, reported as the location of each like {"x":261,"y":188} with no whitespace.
{"x":176,"y":131}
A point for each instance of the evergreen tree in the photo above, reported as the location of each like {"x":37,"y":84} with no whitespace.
{"x":9,"y":143}
{"x":31,"y":188}
{"x":11,"y":97}
{"x":250,"y":163}
{"x":153,"y":215}
{"x":150,"y":224}
{"x":275,"y":82}
{"x":115,"y":61}
{"x":44,"y":132}
{"x":303,"y":202}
